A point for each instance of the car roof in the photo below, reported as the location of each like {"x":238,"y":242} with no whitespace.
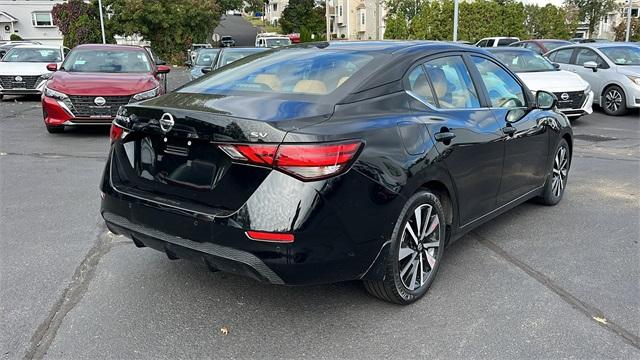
{"x":108,"y":47}
{"x":509,"y":49}
{"x":36,"y":46}
{"x":243,"y":49}
{"x":599,"y":45}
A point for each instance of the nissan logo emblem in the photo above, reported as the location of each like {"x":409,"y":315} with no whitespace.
{"x":100,"y":101}
{"x":166,"y":122}
{"x":18,"y":78}
{"x":564,"y":96}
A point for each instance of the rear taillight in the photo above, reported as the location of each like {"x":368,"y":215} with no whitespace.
{"x":304,"y":161}
{"x":115,"y":132}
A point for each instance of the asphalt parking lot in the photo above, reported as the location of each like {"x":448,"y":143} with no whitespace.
{"x":537,"y":282}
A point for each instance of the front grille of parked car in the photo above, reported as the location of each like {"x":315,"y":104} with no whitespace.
{"x":576,"y":98}
{"x":27,"y":82}
{"x":85,"y":106}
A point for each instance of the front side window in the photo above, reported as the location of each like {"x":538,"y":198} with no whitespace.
{"x":452,"y":85}
{"x":504,"y":91}
{"x":107,"y":61}
{"x":562,"y":56}
{"x":41,"y":19}
{"x":585,"y":55}
{"x":206,"y":57}
{"x":506,"y":42}
{"x":287,"y":71}
{"x":228,"y":57}
{"x":483,"y":43}
{"x":18,"y":54}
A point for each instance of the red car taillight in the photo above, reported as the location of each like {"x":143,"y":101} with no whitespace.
{"x":304,"y":161}
{"x":115,"y":132}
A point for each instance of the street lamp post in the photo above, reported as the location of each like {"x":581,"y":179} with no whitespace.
{"x":626,"y":37}
{"x":104,"y":40}
{"x":455,"y":20}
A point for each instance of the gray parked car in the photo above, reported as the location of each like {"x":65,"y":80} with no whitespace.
{"x":612,"y":69}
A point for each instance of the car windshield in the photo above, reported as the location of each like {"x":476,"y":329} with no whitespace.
{"x":287,"y":71}
{"x":226,"y":38}
{"x":206,"y":57}
{"x":550,"y":45}
{"x":278,"y":42}
{"x":107,"y":61}
{"x":18,"y":54}
{"x":622,"y":55}
{"x":524,"y":61}
{"x":230,"y":56}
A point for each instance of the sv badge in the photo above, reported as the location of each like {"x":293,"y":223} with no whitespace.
{"x":258,"y":135}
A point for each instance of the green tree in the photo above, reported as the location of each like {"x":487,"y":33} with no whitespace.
{"x":621,"y":30}
{"x":396,"y":28}
{"x":15,"y":37}
{"x":592,"y":11}
{"x":548,"y":22}
{"x":301,"y":14}
{"x":171,"y":26}
{"x":254,"y":6}
{"x":78,"y":22}
{"x":226,"y":5}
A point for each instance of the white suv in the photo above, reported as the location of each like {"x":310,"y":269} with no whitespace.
{"x":496,"y":41}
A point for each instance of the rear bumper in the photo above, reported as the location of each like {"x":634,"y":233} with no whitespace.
{"x":335,"y":240}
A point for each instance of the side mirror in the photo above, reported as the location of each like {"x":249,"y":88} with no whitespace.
{"x":591,"y":65}
{"x":545,"y":100}
{"x":556,"y":65}
{"x":206,"y":70}
{"x":52,"y":67}
{"x":163,"y":69}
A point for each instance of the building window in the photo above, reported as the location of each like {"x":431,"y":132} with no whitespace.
{"x":275,"y":7}
{"x":362,"y":18}
{"x":340,"y":10}
{"x":41,"y":19}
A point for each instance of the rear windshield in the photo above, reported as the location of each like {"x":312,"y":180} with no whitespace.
{"x":524,"y":61}
{"x":107,"y":61}
{"x":506,"y":42}
{"x":229,"y":56}
{"x":287,"y":71}
{"x":622,"y":55}
{"x":277,"y":42}
{"x":206,"y":57}
{"x":32,"y":55}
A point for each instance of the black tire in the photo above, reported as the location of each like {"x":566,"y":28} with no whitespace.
{"x":392,"y":287}
{"x":614,"y":101}
{"x":55,"y":129}
{"x":554,"y":186}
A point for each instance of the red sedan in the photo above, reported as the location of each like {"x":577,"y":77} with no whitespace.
{"x":95,"y":80}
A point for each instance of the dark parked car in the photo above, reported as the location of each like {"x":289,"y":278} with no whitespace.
{"x":227,"y":41}
{"x":541,"y":46}
{"x":330,"y":162}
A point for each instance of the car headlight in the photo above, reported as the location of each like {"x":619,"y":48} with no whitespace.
{"x":634,"y":79}
{"x":54,"y":94}
{"x":146,"y":94}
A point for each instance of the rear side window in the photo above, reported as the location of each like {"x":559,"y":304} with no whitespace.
{"x":483,"y":43}
{"x":419,"y":85}
{"x":504,"y":91}
{"x":561,"y":56}
{"x":452,"y":85}
{"x":506,"y":42}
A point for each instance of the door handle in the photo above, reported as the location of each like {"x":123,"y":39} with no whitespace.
{"x":509,"y":130}
{"x":444,"y":136}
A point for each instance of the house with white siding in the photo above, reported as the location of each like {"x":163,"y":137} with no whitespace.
{"x":29,"y":19}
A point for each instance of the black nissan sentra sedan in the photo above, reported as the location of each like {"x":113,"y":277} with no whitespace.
{"x":334,"y":161}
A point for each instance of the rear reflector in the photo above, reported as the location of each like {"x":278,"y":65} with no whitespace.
{"x":269,"y":236}
{"x":304,"y":161}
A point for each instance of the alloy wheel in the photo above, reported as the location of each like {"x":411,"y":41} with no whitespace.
{"x":419,"y":249}
{"x":613,"y":100}
{"x":560,"y":169}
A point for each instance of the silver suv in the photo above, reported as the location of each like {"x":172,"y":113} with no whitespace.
{"x":612,"y":69}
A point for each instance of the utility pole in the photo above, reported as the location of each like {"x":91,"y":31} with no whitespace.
{"x":455,"y":20}
{"x":626,"y":37}
{"x":104,"y":40}
{"x":377,"y":15}
{"x":328,"y":18}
